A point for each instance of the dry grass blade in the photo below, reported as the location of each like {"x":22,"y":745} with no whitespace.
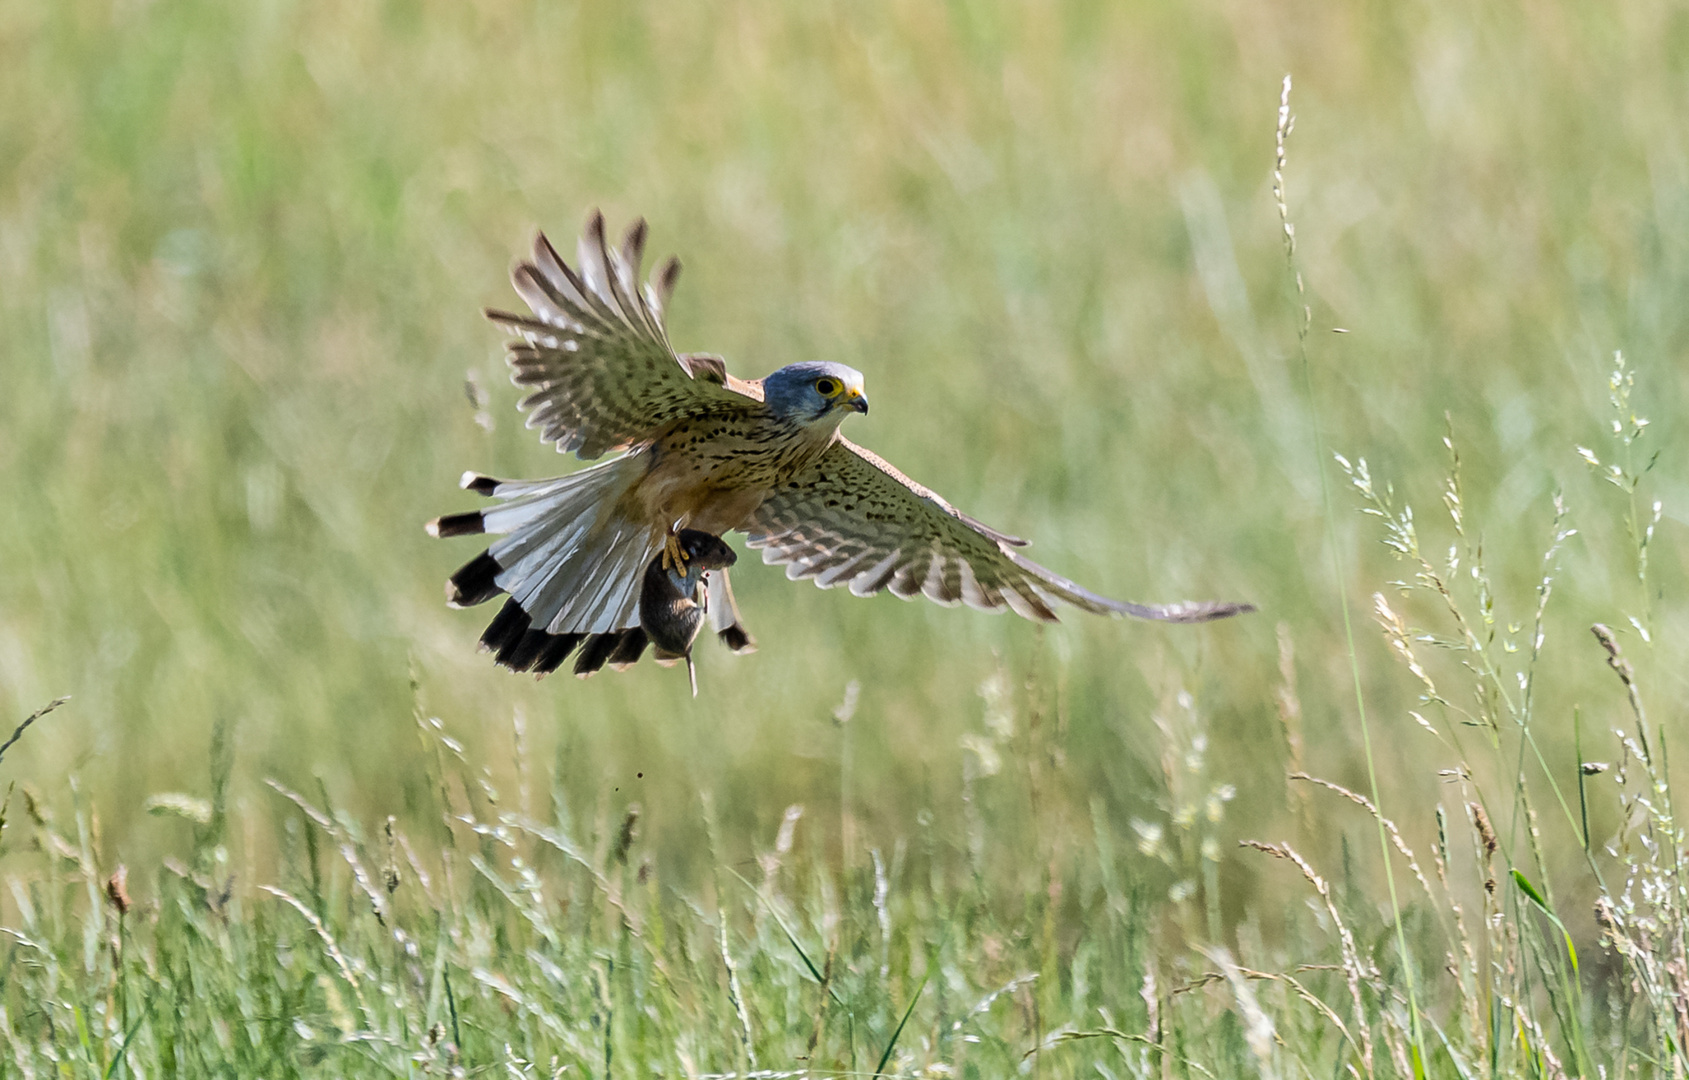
{"x":332,"y":946}
{"x":1208,"y":978}
{"x":1389,"y":826}
{"x":1355,"y":971}
{"x":1057,"y":1038}
{"x":28,"y":720}
{"x":1627,"y":675}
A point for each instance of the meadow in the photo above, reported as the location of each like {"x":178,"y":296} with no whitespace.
{"x":1412,"y":817}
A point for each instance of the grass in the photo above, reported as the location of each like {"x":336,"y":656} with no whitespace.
{"x":241,"y":255}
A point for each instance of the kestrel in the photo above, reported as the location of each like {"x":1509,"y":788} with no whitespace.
{"x":700,"y":450}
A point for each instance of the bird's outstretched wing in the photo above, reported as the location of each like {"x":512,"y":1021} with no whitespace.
{"x":596,"y":353}
{"x":852,"y":519}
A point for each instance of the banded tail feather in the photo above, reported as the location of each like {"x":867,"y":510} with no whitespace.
{"x":475,"y":582}
{"x":596,"y":651}
{"x":472,"y":523}
{"x":515,"y":644}
{"x":574,"y":571}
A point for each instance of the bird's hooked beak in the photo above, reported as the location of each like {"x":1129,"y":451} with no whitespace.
{"x":854,"y":398}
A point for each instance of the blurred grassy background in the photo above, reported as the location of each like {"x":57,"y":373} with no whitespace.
{"x":243,"y":250}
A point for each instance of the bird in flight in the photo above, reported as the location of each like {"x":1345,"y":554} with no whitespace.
{"x":700,"y":451}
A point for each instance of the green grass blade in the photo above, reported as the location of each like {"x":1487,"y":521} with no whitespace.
{"x":123,"y":1048}
{"x":791,"y":937}
{"x":879,"y":1070}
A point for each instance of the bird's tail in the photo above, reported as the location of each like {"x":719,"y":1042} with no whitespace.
{"x":571,"y":563}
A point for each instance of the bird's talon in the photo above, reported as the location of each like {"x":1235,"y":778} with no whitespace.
{"x":674,"y":556}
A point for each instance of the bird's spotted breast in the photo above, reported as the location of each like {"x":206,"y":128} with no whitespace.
{"x":713,"y":471}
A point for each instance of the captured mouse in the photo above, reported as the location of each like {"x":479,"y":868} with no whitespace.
{"x":672,"y":601}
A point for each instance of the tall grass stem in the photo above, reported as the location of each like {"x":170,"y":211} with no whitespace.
{"x":1287,"y":123}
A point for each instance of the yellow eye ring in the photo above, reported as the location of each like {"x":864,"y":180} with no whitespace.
{"x":827,"y":387}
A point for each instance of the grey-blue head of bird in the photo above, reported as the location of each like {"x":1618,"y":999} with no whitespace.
{"x":815,"y":391}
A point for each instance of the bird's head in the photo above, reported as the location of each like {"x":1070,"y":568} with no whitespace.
{"x":704,"y":552}
{"x":814,"y":392}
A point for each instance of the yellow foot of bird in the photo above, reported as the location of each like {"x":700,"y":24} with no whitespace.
{"x":674,"y":556}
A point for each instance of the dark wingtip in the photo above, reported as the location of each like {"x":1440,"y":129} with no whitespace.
{"x":1197,"y":611}
{"x":543,"y":252}
{"x":633,"y":242}
{"x":667,"y":275}
{"x":1224,"y":610}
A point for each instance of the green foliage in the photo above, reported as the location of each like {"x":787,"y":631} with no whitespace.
{"x":242,"y":249}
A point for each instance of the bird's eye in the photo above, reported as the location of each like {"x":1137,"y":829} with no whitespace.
{"x":827,"y":387}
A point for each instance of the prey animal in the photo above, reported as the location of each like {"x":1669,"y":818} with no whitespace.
{"x":671,"y":609}
{"x":699,"y":449}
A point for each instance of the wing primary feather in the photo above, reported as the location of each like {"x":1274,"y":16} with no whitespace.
{"x":1190,"y":611}
{"x":633,"y":247}
{"x":555,"y":270}
{"x":551,"y":304}
{"x":539,"y":296}
{"x":594,"y":261}
{"x":568,"y":285}
{"x":1026,"y":602}
{"x":662,"y":284}
{"x":854,"y":517}
{"x":625,"y":262}
{"x":595,"y":354}
{"x":536,"y":331}
{"x":619,"y":288}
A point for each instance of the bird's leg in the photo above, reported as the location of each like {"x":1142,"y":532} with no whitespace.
{"x":674,"y":556}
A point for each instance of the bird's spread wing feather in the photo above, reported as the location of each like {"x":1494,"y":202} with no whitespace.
{"x":596,"y":354}
{"x":852,"y":519}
